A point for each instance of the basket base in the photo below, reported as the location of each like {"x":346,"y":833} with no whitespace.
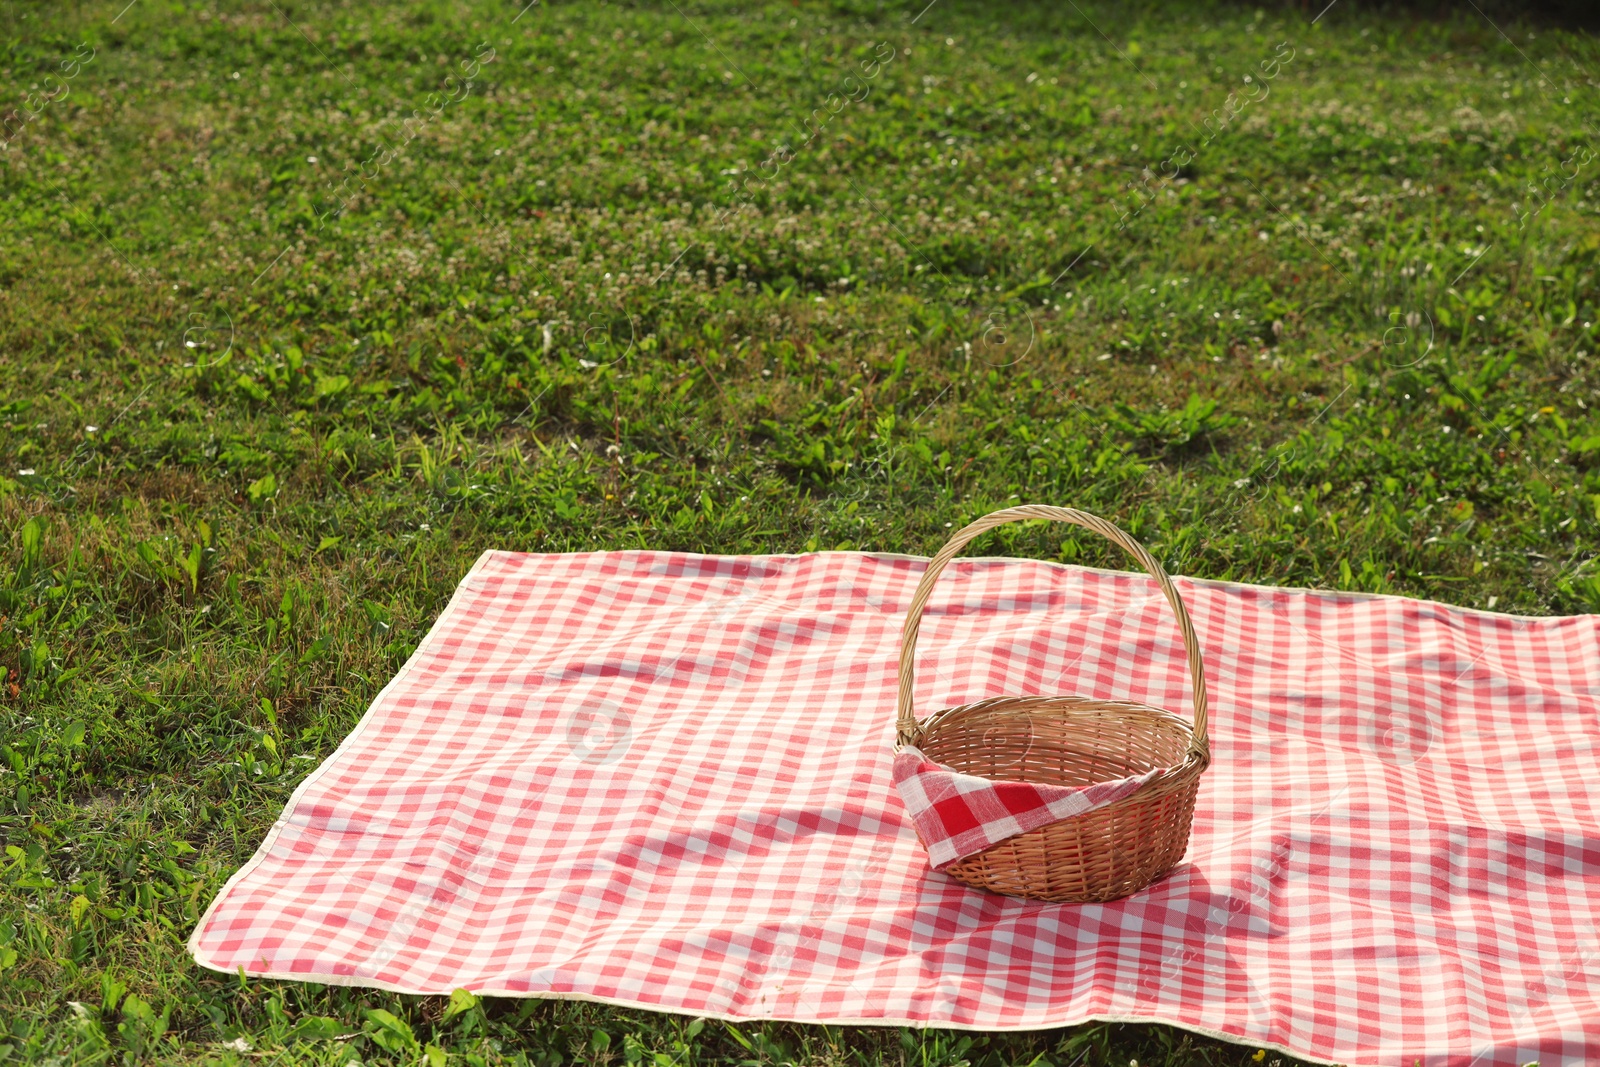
{"x":1105,"y":854}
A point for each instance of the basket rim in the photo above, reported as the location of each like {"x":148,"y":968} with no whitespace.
{"x":1194,"y":762}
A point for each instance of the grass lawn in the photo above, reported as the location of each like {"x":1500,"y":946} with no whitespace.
{"x":303,"y":305}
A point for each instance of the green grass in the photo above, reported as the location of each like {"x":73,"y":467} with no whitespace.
{"x":255,"y":426}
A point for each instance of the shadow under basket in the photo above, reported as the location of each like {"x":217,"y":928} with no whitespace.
{"x":1103,"y":854}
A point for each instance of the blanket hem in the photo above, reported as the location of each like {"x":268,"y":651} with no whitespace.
{"x":1219,"y":583}
{"x":356,"y":982}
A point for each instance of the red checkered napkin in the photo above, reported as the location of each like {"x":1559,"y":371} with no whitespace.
{"x":959,"y":815}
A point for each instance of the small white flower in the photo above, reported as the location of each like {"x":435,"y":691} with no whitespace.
{"x":190,"y":344}
{"x":238,"y":1044}
{"x":25,"y":471}
{"x":311,"y":159}
{"x":587,"y":364}
{"x":425,"y":526}
{"x":1240,"y":483}
{"x":91,"y":429}
{"x":1261,"y":234}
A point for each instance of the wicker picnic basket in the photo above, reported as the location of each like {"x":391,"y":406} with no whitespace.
{"x":1106,"y":853}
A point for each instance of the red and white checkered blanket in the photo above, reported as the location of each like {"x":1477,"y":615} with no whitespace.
{"x":665,"y":780}
{"x":959,"y":815}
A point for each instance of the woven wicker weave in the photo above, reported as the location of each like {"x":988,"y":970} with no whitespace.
{"x":1069,"y":740}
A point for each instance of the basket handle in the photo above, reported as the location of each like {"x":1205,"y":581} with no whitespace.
{"x":906,"y":723}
